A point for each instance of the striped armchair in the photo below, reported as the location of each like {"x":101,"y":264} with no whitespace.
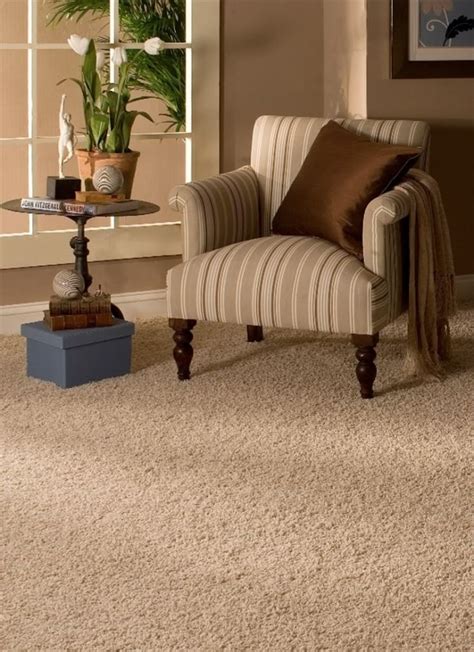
{"x":235,"y":270}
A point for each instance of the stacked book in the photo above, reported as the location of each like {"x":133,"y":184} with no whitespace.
{"x":85,"y":312}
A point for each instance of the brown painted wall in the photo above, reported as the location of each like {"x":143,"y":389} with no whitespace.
{"x":271,"y":62}
{"x":448,"y":105}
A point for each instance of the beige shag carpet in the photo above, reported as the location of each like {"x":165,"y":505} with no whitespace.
{"x":261,"y":506}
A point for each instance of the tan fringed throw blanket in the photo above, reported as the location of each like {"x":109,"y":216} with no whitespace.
{"x":431,"y":286}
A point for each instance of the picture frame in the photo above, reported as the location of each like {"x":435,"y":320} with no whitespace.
{"x":411,"y":58}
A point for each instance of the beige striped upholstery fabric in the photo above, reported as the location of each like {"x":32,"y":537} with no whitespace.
{"x":217,"y":211}
{"x":284,"y":281}
{"x":281,"y":143}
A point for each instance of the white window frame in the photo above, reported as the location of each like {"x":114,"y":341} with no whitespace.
{"x":116,"y":241}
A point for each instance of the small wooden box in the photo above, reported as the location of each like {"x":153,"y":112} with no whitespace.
{"x":57,"y":188}
{"x":94,"y":197}
{"x":74,"y":357}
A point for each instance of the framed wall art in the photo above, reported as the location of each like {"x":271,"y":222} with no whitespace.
{"x":432,"y":38}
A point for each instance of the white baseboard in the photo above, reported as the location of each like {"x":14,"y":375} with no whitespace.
{"x":150,"y":303}
{"x":146,"y":304}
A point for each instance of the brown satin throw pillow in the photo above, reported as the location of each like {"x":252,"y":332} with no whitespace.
{"x":342,"y":173}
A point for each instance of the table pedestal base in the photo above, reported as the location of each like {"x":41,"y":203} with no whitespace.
{"x":79,"y":246}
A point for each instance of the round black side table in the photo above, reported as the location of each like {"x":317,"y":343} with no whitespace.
{"x":79,"y":242}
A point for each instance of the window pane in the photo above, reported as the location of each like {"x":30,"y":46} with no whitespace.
{"x":158,"y":111}
{"x":13,"y":184}
{"x":91,"y":25}
{"x":53,"y":66}
{"x":162,"y":77}
{"x":155,"y":108}
{"x":47,"y":165}
{"x":141,"y":21}
{"x":13,"y":93}
{"x":14,"y":21}
{"x":161,"y":166}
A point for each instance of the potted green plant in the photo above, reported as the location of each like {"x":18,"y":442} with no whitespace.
{"x":108,"y":121}
{"x":163,"y":77}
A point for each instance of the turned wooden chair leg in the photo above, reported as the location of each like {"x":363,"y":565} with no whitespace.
{"x":366,"y":369}
{"x":183,"y":351}
{"x":254,"y":333}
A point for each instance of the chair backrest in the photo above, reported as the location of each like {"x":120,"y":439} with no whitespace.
{"x":280,"y":145}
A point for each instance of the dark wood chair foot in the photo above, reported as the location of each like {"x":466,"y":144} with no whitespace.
{"x":183,"y":351}
{"x":254,"y":333}
{"x":366,"y":369}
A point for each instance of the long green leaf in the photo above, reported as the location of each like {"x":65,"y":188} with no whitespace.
{"x":128,"y":121}
{"x":143,"y":114}
{"x":99,"y":123}
{"x":143,"y":97}
{"x":113,"y":101}
{"x":97,"y":89}
{"x":114,"y":141}
{"x":89,"y":66}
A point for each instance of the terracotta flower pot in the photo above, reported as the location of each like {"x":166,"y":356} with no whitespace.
{"x":89,"y":162}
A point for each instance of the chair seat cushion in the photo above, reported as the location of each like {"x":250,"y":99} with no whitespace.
{"x":286,"y":281}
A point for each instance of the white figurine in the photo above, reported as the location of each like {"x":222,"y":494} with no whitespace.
{"x":67,"y":138}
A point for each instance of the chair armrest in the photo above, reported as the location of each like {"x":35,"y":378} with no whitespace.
{"x":217,"y":211}
{"x":381,"y":229}
{"x":384,"y":242}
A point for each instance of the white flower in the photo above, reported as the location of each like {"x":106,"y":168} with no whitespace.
{"x":153,"y":45}
{"x":100,"y":61}
{"x":119,"y":56}
{"x":80,"y":44}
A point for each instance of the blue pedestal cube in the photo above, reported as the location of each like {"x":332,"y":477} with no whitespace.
{"x":78,"y":356}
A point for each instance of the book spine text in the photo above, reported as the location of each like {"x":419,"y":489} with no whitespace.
{"x":42,"y":204}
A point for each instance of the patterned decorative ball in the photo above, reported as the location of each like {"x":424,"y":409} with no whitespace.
{"x":68,"y":284}
{"x":108,"y":179}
